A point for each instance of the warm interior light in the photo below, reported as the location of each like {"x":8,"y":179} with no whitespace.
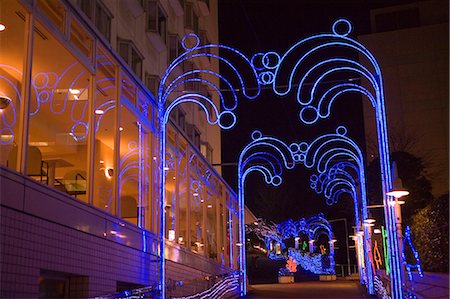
{"x":209,"y":206}
{"x":120,"y":129}
{"x":154,"y":158}
{"x":238,"y":244}
{"x":4,"y":102}
{"x":74,"y":91}
{"x":195,"y":194}
{"x":377,"y":231}
{"x":400,"y":202}
{"x":6,"y":137}
{"x":109,"y":172}
{"x":370,"y":220}
{"x":2,"y":27}
{"x":99,"y":111}
{"x":101,"y":161}
{"x":171,"y":235}
{"x":397,"y":193}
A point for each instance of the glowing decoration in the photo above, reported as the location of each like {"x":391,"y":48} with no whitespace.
{"x":377,"y":255}
{"x":385,"y":250}
{"x":291,"y":265}
{"x":267,"y":156}
{"x":275,"y":235}
{"x":323,"y":250}
{"x":380,"y":289}
{"x":316,"y":263}
{"x":176,"y":89}
{"x":338,"y":52}
{"x":407,"y":241}
{"x":304,"y":245}
{"x":335,"y":178}
{"x":224,"y":288}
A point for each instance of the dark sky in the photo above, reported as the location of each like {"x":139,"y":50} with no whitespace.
{"x":261,"y":25}
{"x":254,"y":26}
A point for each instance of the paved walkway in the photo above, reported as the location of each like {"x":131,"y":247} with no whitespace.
{"x":309,"y":289}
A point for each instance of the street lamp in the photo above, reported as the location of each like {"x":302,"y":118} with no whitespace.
{"x":397,"y":191}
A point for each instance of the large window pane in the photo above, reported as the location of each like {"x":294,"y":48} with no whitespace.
{"x":12,"y":49}
{"x":183,"y":193}
{"x":130,"y":165}
{"x":170,"y":189}
{"x":104,"y":113}
{"x":221,"y":234}
{"x":59,"y":117}
{"x":196,"y":212}
{"x":211,"y":206}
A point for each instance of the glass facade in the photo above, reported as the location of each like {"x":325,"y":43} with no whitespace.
{"x":79,"y":121}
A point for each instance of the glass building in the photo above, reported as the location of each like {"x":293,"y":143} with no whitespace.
{"x":79,"y":152}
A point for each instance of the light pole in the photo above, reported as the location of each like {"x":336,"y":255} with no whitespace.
{"x":397,"y":192}
{"x":346,"y":242}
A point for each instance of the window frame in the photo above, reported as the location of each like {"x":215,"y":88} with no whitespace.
{"x":159,"y":16}
{"x":132,"y":49}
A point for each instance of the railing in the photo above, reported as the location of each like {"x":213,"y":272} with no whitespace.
{"x":342,"y":270}
{"x":217,"y":287}
{"x":223,"y":286}
{"x":145,"y":292}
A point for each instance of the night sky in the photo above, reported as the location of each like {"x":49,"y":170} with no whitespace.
{"x":259,"y":26}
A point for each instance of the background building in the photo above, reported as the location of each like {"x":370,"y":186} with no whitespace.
{"x":411,"y":44}
{"x":79,"y":151}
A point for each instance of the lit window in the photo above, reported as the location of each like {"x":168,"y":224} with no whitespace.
{"x":129,"y":53}
{"x":156,"y":19}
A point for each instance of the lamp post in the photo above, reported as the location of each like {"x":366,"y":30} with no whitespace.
{"x":397,"y":191}
{"x":346,"y":242}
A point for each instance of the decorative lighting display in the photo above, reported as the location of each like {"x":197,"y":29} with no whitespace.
{"x":274,"y":69}
{"x":267,"y":156}
{"x":174,"y":90}
{"x":407,"y":241}
{"x":334,"y":178}
{"x":377,"y":255}
{"x":271,"y":69}
{"x":380,"y":289}
{"x":385,"y":251}
{"x":291,"y":265}
{"x":313,"y":228}
{"x":298,"y":72}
